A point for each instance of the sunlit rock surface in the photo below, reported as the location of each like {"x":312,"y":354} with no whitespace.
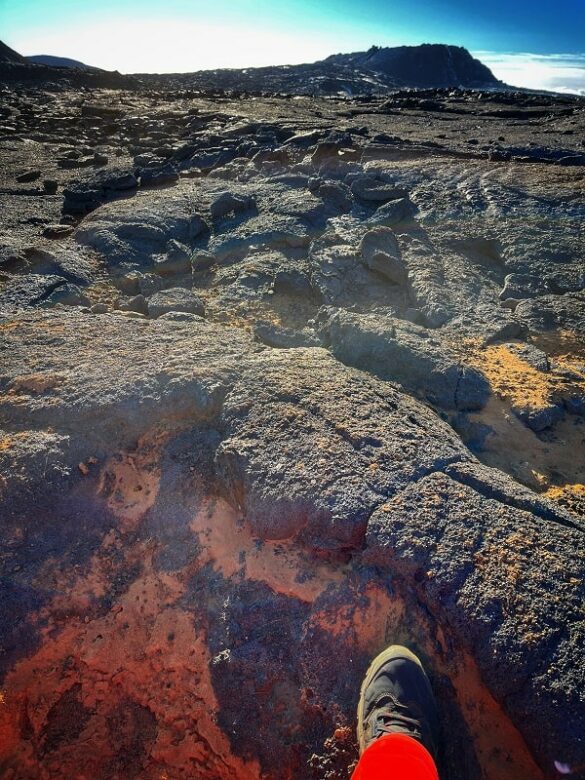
{"x":281,"y":383}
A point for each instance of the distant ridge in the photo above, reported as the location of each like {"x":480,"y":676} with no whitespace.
{"x":44,"y":68}
{"x":373,"y":72}
{"x":59,"y":62}
{"x":377,"y":71}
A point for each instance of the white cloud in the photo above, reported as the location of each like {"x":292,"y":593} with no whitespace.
{"x":556,"y":72}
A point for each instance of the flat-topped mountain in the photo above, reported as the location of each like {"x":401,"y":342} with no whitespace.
{"x":429,"y":65}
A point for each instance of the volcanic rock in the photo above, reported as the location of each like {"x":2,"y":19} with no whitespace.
{"x":261,"y":421}
{"x":174,"y":299}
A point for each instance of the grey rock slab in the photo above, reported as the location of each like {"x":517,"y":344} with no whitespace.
{"x":177,"y":260}
{"x":541,"y":418}
{"x":154,"y":177}
{"x":330,"y":269}
{"x":87,"y":195}
{"x":181,"y":317}
{"x":549,"y":312}
{"x":520,"y":286}
{"x":402,"y":352}
{"x":428,"y":286}
{"x":20,"y":292}
{"x":336,"y":195}
{"x":309,"y":446}
{"x":175,"y":299}
{"x":104,"y":380}
{"x":293,"y":281}
{"x":369,"y":189}
{"x":492,"y":483}
{"x":395,"y":212}
{"x":134,"y":231}
{"x":67,"y":294}
{"x":265,"y":233}
{"x":70,"y":263}
{"x":28,"y":176}
{"x":228,"y":203}
{"x":381,"y":253}
{"x":284,"y":338}
{"x":356,"y":441}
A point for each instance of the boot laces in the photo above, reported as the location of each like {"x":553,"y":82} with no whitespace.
{"x":390,"y":717}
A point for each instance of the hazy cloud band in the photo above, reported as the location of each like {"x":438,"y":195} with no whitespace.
{"x":556,"y":72}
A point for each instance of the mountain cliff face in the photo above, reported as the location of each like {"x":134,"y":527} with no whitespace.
{"x":429,"y":65}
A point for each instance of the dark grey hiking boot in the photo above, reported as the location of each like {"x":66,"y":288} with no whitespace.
{"x":396,"y":698}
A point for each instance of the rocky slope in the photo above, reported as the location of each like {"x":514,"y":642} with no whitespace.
{"x":282,"y":382}
{"x":9,"y":55}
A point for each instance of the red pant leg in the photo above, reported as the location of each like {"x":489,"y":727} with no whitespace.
{"x":396,"y":757}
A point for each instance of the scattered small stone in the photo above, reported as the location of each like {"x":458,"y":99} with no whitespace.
{"x":50,"y":186}
{"x":58,"y":231}
{"x":131,"y":315}
{"x":152,"y":177}
{"x":202,"y":261}
{"x":227,"y":203}
{"x":99,"y":308}
{"x":137,"y":303}
{"x":381,"y":253}
{"x":175,"y":299}
{"x":29,"y":176}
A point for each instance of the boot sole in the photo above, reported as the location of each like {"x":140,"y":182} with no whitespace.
{"x":394,"y":651}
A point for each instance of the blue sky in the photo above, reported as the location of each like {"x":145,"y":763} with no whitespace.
{"x":535,"y":43}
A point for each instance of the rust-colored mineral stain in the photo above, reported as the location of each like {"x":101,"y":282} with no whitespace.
{"x":141,"y":666}
{"x":500,"y":748}
{"x":366,"y":622}
{"x":229,"y":545}
{"x":144,"y":653}
{"x":36,"y":383}
{"x":130,"y":481}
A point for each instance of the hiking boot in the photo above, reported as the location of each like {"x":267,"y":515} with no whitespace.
{"x":396,"y":698}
